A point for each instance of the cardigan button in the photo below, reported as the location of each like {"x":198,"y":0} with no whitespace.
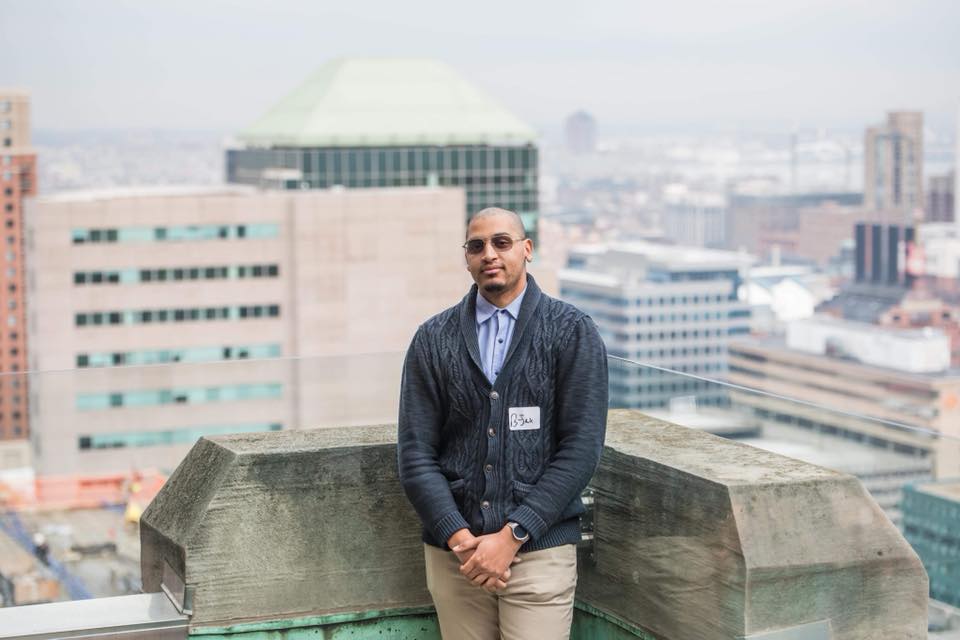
{"x":494,"y":395}
{"x":491,"y":432}
{"x":485,"y":504}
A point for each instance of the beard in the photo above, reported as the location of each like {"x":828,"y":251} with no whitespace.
{"x":494,"y":287}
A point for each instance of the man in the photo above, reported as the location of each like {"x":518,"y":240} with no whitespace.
{"x":502,"y":415}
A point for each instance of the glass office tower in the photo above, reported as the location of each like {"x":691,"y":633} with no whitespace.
{"x":375,"y":123}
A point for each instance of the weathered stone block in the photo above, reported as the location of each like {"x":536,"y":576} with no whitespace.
{"x":699,"y":537}
{"x":287,"y":524}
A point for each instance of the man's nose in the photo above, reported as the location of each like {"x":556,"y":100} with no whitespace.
{"x":489,"y":253}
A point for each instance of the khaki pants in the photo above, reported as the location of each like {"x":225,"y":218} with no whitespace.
{"x":536,"y":605}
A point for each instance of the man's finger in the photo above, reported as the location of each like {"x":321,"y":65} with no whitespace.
{"x":474,"y":572}
{"x":466,"y":546}
{"x":493,"y":583}
{"x":467,"y":567}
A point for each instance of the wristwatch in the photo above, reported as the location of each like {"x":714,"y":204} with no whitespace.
{"x":519,"y":533}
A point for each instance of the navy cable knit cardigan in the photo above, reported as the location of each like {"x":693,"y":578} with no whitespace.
{"x":460,"y":463}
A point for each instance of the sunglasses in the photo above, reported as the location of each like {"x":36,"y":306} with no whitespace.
{"x":500,"y":244}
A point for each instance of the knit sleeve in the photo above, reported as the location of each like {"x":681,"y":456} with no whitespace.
{"x":418,"y":440}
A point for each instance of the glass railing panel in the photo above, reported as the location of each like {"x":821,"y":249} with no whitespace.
{"x":911,"y":468}
{"x":102,"y":440}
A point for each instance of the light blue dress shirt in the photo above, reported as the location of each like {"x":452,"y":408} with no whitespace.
{"x":494,"y":331}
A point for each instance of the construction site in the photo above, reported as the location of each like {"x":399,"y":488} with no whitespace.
{"x":71,"y":537}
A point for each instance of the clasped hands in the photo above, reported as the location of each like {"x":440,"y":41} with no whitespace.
{"x":485,"y":560}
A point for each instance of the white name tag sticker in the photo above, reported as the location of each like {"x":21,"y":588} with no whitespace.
{"x":524,"y":418}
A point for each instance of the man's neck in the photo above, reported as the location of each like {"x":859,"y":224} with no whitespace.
{"x":501,"y":299}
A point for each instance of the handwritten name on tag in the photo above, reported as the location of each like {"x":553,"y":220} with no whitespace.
{"x":524,"y":418}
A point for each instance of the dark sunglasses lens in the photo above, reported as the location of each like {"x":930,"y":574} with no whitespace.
{"x":501,"y":243}
{"x":474,"y":246}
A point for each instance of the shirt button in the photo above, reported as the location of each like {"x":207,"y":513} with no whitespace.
{"x":494,"y":395}
{"x":500,"y":340}
{"x":491,"y":432}
{"x":485,"y":504}
{"x":488,"y":468}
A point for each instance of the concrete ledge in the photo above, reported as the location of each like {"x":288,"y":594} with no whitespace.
{"x":286,"y":524}
{"x":695,"y":537}
{"x":701,"y":537}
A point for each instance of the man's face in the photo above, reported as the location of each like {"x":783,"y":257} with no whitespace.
{"x":496,"y":271}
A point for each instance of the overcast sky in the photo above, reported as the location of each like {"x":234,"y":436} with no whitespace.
{"x":219,"y":64}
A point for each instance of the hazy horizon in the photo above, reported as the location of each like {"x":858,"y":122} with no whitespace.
{"x":750,"y":66}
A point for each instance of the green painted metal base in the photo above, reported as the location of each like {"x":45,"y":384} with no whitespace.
{"x":589,"y":623}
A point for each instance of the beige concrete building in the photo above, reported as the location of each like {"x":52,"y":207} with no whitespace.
{"x":840,"y":396}
{"x":229,"y":309}
{"x":893,"y":169}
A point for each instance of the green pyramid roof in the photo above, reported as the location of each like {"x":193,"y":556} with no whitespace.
{"x":386,"y":102}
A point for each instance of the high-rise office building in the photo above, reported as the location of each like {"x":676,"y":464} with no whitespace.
{"x":18,"y":179}
{"x":893,"y":168}
{"x":125,"y":282}
{"x":887,"y":262}
{"x":363,"y":123}
{"x":663,"y":305}
{"x":694,"y":218}
{"x":931,"y":517}
{"x":940,"y":199}
{"x":580,"y":129}
{"x":885,"y":255}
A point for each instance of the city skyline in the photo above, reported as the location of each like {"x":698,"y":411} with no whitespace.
{"x":218,"y":65}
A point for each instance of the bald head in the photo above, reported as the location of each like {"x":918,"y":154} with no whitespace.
{"x":513,"y":220}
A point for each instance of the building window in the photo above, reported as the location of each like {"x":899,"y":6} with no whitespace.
{"x":187,"y":435}
{"x":176,"y":315}
{"x":184,"y":395}
{"x":180,"y":233}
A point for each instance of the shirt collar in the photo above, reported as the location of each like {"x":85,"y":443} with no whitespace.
{"x":485,"y":308}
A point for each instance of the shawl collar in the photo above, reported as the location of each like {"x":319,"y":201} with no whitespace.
{"x":468,"y":321}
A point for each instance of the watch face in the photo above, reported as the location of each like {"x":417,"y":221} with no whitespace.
{"x":519,"y":533}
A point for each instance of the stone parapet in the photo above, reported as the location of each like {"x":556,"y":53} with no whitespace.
{"x":694,"y":537}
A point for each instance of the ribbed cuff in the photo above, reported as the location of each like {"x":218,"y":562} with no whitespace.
{"x":449,"y":525}
{"x":529,"y":520}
